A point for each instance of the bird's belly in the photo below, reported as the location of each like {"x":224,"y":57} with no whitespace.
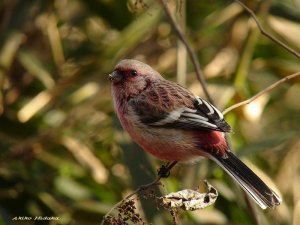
{"x":163,"y":143}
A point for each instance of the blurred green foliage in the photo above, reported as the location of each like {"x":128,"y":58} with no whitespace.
{"x":62,"y":151}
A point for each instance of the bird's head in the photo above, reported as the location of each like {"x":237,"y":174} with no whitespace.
{"x":132,"y":76}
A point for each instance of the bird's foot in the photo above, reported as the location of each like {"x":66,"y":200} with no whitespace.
{"x":164,"y":170}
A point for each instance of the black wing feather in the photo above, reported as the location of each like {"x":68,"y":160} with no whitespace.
{"x":215,"y":117}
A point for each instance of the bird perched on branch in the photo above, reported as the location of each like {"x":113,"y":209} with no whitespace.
{"x":171,"y":123}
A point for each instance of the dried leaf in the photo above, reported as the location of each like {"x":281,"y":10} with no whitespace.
{"x":190,"y":199}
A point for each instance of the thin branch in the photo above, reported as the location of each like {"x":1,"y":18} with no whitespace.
{"x":193,"y":56}
{"x":163,"y":172}
{"x":265,"y":33}
{"x":144,"y":187}
{"x":269,"y":88}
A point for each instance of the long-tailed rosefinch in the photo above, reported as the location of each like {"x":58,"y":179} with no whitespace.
{"x":172,"y":124}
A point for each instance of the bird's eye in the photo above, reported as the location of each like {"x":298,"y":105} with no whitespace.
{"x":133,"y":73}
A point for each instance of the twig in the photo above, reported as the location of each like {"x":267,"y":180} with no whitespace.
{"x":195,"y":62}
{"x":174,"y":214}
{"x":162,"y":174}
{"x":141,"y":188}
{"x":269,"y":88}
{"x":265,"y":33}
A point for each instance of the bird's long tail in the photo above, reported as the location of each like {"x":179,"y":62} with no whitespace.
{"x":248,"y":180}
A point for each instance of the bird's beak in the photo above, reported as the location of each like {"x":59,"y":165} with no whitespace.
{"x":115,"y":77}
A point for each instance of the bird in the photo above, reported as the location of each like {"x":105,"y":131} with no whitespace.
{"x":174,"y":125}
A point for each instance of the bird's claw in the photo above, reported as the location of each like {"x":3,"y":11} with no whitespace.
{"x":164,"y":171}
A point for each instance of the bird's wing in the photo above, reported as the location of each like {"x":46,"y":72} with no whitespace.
{"x":172,"y":106}
{"x":209,"y":111}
